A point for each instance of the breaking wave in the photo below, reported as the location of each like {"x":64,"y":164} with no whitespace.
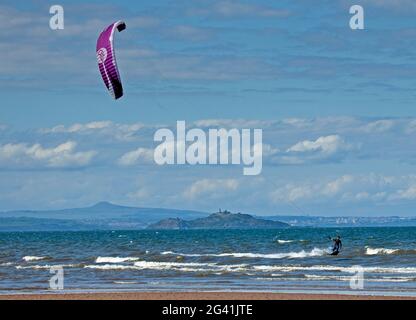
{"x":255,"y":269}
{"x":115,"y":259}
{"x":375,"y":251}
{"x":33,"y":258}
{"x":406,"y":270}
{"x":167,"y":265}
{"x":176,"y":266}
{"x":109,"y":267}
{"x":289,"y":255}
{"x":383,"y":251}
{"x":285,"y":241}
{"x":316,"y":277}
{"x":47,"y":266}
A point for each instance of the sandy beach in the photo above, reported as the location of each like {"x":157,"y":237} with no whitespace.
{"x":172,"y":296}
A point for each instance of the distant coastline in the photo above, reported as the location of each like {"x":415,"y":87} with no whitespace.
{"x":108,"y":216}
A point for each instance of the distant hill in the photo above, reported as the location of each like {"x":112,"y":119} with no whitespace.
{"x":101,"y":216}
{"x":105,"y":210}
{"x":219,"y":220}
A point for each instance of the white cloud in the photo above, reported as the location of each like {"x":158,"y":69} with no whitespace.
{"x":292,"y":192}
{"x":312,"y":190}
{"x":78,"y":127}
{"x":325,"y":148}
{"x":405,"y":194}
{"x":335,"y":186}
{"x":410,"y":127}
{"x":327,"y":145}
{"x":211,"y":188}
{"x":118,"y":131}
{"x":285,"y":142}
{"x":138,"y":156}
{"x":61,"y":156}
{"x":370,"y":188}
{"x":379,"y":126}
{"x":268,"y":150}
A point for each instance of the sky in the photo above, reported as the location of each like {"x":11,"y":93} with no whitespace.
{"x":336,"y":105}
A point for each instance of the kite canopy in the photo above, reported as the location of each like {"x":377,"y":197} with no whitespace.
{"x":107,"y":60}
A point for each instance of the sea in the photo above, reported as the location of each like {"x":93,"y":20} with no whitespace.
{"x":377,"y":261}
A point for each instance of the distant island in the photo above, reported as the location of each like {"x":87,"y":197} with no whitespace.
{"x":219,"y":220}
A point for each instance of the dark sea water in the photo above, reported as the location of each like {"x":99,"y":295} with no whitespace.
{"x":284,"y":260}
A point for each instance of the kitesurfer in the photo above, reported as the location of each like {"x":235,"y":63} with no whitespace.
{"x":337,"y":246}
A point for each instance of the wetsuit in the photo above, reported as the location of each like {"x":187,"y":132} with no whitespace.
{"x":337,"y":247}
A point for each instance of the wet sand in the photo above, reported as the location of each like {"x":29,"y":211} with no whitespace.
{"x":172,"y":296}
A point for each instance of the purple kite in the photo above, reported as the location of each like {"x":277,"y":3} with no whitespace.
{"x":107,"y":60}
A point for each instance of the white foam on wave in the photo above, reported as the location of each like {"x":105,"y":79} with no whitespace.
{"x":141,"y":265}
{"x":33,"y":258}
{"x":175,"y":266}
{"x":169,"y":265}
{"x":191,"y":267}
{"x":47,"y":266}
{"x":109,"y":267}
{"x":285,"y":241}
{"x":115,"y":259}
{"x":255,"y":269}
{"x":279,"y":268}
{"x":348,"y":278}
{"x":289,"y":255}
{"x":376,"y":251}
{"x":316,"y":277}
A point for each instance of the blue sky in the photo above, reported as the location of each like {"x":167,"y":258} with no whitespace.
{"x":336,"y":105}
